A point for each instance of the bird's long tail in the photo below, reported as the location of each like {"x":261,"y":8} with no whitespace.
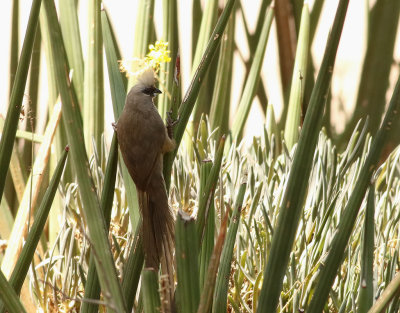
{"x":158,"y":233}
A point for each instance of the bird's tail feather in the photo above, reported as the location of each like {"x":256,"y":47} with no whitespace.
{"x":158,"y":235}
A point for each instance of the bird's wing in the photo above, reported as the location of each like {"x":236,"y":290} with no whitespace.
{"x":143,"y":154}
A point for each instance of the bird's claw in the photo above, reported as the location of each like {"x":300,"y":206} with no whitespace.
{"x":114,"y":126}
{"x":171,"y":122}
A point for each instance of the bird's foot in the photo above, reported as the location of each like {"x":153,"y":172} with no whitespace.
{"x":114,"y":126}
{"x":171,"y":122}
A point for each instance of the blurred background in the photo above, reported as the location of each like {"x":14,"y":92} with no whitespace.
{"x":122,"y":14}
{"x":256,"y":87}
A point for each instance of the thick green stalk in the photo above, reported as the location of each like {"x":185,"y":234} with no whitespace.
{"x":188,"y":102}
{"x":118,"y":94}
{"x":17,"y":95}
{"x":175,"y":102}
{"x":9,"y":296}
{"x":93,"y":98}
{"x":151,"y":297}
{"x":197,"y":15}
{"x":220,"y":103}
{"x":371,"y":98}
{"x":92,"y":286}
{"x":170,"y":35}
{"x":292,"y":202}
{"x":61,"y":136}
{"x":349,"y":215}
{"x":73,"y":46}
{"x":366,"y":289}
{"x":187,"y":269}
{"x":207,"y":24}
{"x":208,"y":190}
{"x":91,"y":205}
{"x":292,"y":123}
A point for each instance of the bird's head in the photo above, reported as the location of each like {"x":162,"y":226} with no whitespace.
{"x":146,"y":84}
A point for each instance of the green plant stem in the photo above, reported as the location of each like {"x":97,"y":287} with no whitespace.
{"x":91,"y":206}
{"x":292,"y":202}
{"x":151,"y":297}
{"x":349,"y":215}
{"x":222,"y":282}
{"x":9,"y":296}
{"x":17,"y":94}
{"x":186,"y":243}
{"x":92,"y":286}
{"x":188,"y":102}
{"x":252,"y":80}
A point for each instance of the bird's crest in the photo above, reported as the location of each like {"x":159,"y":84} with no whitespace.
{"x":147,"y":78}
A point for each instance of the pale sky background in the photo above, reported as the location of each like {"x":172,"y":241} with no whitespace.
{"x":123,"y":15}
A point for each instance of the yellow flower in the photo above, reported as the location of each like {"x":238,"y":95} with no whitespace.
{"x":158,"y":54}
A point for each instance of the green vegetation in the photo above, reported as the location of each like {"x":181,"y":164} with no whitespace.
{"x":298,"y":219}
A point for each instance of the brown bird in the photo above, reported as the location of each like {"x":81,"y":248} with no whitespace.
{"x":143,"y":139}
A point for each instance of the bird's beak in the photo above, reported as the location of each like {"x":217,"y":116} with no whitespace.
{"x":156,"y":90}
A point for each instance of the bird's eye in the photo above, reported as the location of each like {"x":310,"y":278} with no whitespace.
{"x":151,"y":91}
{"x":148,"y":91}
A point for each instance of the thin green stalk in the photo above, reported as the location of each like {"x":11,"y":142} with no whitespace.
{"x":9,"y":296}
{"x":176,"y":100}
{"x":73,"y":45}
{"x":366,"y":289}
{"x":387,"y":296}
{"x":91,"y":205}
{"x":132,"y":269}
{"x":197,"y":15}
{"x":286,"y":37}
{"x":222,"y":282}
{"x":207,"y":293}
{"x":252,"y":80}
{"x":349,"y":215}
{"x":144,"y":29}
{"x":14,"y":49}
{"x":384,"y":18}
{"x":209,"y":187}
{"x":93,"y":98}
{"x":207,"y":24}
{"x":17,"y":95}
{"x":92,"y":286}
{"x":33,"y":91}
{"x":118,"y":94}
{"x":220,"y":103}
{"x":292,"y":123}
{"x":206,"y":247}
{"x":292,"y":202}
{"x":170,"y":35}
{"x":253,"y":40}
{"x":314,"y":17}
{"x":188,"y":102}
{"x":21,"y":268}
{"x":61,"y":137}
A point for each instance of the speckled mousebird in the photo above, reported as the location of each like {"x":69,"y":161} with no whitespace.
{"x":143,"y":139}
